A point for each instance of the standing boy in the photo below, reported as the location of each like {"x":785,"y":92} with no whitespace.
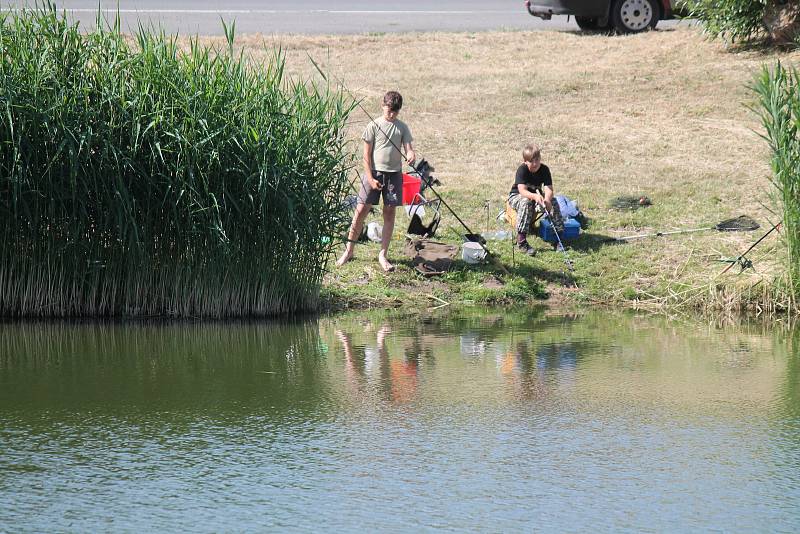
{"x":533,"y":186}
{"x":384,"y":138}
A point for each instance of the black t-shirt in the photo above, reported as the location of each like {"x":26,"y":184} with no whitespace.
{"x":534,"y":180}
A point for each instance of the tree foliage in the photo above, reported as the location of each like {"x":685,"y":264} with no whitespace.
{"x":732,"y":20}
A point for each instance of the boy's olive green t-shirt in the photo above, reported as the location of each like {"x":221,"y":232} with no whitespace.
{"x":385,"y":155}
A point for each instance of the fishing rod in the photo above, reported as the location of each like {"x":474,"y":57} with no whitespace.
{"x":567,"y":261}
{"x":742,"y":223}
{"x":471,"y":236}
{"x":742,"y":255}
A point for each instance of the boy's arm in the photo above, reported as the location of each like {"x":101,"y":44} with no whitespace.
{"x":368,"y":165}
{"x":411,"y":156}
{"x":531,"y":195}
{"x":548,"y":193}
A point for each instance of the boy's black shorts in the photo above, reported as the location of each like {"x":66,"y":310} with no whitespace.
{"x":392,"y":191}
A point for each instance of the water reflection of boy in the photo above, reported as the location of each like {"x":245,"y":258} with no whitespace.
{"x":562,"y":356}
{"x":398,"y":378}
{"x":531,"y":373}
{"x":353,"y":366}
{"x":519,"y":368}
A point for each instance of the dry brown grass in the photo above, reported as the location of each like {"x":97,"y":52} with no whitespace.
{"x":663,"y":114}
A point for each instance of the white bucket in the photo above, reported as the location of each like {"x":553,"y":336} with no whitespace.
{"x":472,"y":252}
{"x":374,"y":232}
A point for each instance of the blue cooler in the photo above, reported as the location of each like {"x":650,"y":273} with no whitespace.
{"x":572,"y":230}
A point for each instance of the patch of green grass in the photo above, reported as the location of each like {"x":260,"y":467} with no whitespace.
{"x":499,"y":281}
{"x":630,"y":293}
{"x":490,"y":284}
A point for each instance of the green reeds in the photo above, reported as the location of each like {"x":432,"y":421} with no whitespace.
{"x":143,"y":179}
{"x":778,"y":90}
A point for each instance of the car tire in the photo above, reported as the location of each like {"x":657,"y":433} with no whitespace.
{"x":634,"y":16}
{"x":590,"y":24}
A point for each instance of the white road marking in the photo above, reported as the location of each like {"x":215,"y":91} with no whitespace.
{"x":282,"y":11}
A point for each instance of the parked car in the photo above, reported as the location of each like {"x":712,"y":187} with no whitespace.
{"x":624,"y":16}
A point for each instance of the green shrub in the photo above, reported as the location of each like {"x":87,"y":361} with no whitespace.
{"x":142,"y":179}
{"x":778,"y":90}
{"x":733,"y":20}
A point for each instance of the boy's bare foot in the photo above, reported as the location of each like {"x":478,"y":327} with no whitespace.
{"x":344,"y":258}
{"x":385,"y":265}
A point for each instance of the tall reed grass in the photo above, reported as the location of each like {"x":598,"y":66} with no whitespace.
{"x":140,"y":178}
{"x":778,"y":89}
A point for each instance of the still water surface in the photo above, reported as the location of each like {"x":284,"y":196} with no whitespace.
{"x":488,"y":421}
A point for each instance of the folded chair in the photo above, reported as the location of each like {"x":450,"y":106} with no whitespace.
{"x":419,"y":209}
{"x":424,"y":214}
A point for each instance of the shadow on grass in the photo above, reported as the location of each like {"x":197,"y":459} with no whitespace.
{"x":611,"y":32}
{"x":586,"y":242}
{"x":563,"y":278}
{"x":589,"y":242}
{"x":591,"y":33}
{"x":761,"y":47}
{"x":462,"y":275}
{"x":520,"y":269}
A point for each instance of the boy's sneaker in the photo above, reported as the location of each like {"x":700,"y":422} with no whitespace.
{"x":526,"y":248}
{"x":558,"y":221}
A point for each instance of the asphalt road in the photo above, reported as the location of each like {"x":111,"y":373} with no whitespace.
{"x":311,"y":16}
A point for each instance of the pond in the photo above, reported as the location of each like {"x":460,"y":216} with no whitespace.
{"x":483,"y":420}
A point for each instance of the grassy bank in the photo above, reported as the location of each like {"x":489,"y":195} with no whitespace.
{"x":662,"y":114}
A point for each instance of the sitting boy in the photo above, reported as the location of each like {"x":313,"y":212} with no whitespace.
{"x":532,"y":189}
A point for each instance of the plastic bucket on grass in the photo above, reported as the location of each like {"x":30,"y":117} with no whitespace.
{"x":473,"y":252}
{"x":411,"y":187}
{"x":374,"y":232}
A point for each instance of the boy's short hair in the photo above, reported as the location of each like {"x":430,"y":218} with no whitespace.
{"x":394,"y":100}
{"x":530,"y":152}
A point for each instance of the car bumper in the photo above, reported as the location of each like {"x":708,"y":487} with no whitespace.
{"x":581,"y":8}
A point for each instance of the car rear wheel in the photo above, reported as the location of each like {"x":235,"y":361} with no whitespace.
{"x":633,"y":16}
{"x":590,"y":24}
